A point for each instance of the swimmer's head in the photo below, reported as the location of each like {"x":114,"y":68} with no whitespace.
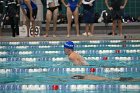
{"x":69,"y":45}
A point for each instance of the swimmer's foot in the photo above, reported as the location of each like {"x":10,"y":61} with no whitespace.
{"x":68,"y":35}
{"x":121,"y":34}
{"x":46,"y":35}
{"x":90,"y":34}
{"x":33,"y":35}
{"x":113,"y":33}
{"x":78,"y":35}
{"x":54,"y":35}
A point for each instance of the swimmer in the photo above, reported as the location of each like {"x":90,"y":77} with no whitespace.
{"x":52,"y":11}
{"x":72,"y":55}
{"x":92,"y":77}
{"x":29,"y":10}
{"x":72,"y":10}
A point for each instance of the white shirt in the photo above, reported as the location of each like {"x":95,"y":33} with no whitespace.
{"x":85,"y":2}
{"x":49,"y":1}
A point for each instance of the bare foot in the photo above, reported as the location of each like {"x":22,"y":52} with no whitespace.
{"x":46,"y":35}
{"x":121,"y":34}
{"x":33,"y":35}
{"x":68,"y":35}
{"x":90,"y":34}
{"x":85,"y":34}
{"x":78,"y":35}
{"x":54,"y":35}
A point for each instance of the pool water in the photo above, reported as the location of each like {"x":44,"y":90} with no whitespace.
{"x":36,"y":67}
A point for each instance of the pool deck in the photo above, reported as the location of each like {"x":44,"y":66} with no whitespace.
{"x":73,"y":38}
{"x":130,"y":31}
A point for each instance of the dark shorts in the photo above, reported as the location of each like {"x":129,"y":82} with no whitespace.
{"x":52,"y":8}
{"x":116,"y":14}
{"x":34,"y":14}
{"x":88,"y":13}
{"x":1,"y":9}
{"x":88,"y":16}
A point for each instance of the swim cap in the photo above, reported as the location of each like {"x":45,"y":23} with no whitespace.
{"x":69,"y":45}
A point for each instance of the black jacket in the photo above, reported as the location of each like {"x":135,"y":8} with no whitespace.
{"x":12,"y":8}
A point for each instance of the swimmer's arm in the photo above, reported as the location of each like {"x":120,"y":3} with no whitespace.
{"x":80,"y":2}
{"x":125,"y":2}
{"x":28,"y":3}
{"x":64,"y":3}
{"x":106,"y":2}
{"x":84,"y":63}
{"x":86,"y":3}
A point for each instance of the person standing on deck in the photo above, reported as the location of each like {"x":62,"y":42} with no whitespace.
{"x":12,"y":14}
{"x":72,"y":10}
{"x":88,"y":13}
{"x":29,"y":9}
{"x":52,"y":11}
{"x":116,"y":9}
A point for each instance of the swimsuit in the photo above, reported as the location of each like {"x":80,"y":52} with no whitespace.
{"x":52,"y":8}
{"x":73,"y":4}
{"x":78,"y":77}
{"x":88,"y":12}
{"x":24,"y":6}
{"x":34,"y":8}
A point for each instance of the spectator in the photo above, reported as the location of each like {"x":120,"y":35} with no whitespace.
{"x":116,"y":9}
{"x":52,"y":10}
{"x":29,"y":9}
{"x":12,"y":14}
{"x":72,"y":10}
{"x":88,"y":8}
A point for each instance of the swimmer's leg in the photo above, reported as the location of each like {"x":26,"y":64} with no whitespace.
{"x":76,"y":20}
{"x":69,"y":18}
{"x":48,"y":18}
{"x":55,"y":15}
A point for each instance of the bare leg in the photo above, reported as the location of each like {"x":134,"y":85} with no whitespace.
{"x":113,"y":27}
{"x":55,"y":14}
{"x":33,"y":25}
{"x":76,"y":20}
{"x":120,"y":27}
{"x":92,"y":77}
{"x":69,"y":18}
{"x":87,"y":29}
{"x":48,"y":18}
{"x":28,"y":26}
{"x":91,"y":28}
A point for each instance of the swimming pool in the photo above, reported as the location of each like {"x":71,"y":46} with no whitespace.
{"x":42,"y":66}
